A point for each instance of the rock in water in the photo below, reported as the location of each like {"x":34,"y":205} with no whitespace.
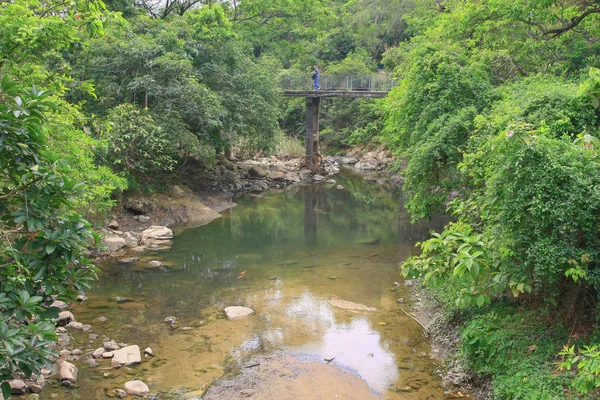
{"x":237,"y":312}
{"x":67,"y":373}
{"x":136,"y":388}
{"x":157,"y":232}
{"x":126,"y":356}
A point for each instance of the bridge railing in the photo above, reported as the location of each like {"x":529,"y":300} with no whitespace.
{"x":377,"y":82}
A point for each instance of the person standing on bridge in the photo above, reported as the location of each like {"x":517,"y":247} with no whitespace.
{"x":315,"y":77}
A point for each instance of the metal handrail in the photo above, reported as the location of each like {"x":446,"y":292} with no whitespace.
{"x":379,"y":82}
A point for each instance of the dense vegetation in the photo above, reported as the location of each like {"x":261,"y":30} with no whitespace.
{"x":496,"y":116}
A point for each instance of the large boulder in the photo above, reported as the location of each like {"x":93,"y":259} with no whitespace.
{"x":136,"y":388}
{"x":66,"y":372}
{"x":114,"y":243}
{"x":156,"y":232}
{"x":126,"y":356}
{"x":237,"y":312}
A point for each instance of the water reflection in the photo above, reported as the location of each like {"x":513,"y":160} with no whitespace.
{"x":299,"y":247}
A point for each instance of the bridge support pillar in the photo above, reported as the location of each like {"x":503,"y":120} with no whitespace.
{"x":313,"y":155}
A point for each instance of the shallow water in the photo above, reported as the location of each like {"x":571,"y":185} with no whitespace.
{"x":299,"y":248}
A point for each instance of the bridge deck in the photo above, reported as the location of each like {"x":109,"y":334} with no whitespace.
{"x":334,"y":93}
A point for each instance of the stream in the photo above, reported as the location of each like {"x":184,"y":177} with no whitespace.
{"x":286,"y":254}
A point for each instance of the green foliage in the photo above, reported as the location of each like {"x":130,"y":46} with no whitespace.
{"x":429,"y":118}
{"x":137,"y":145}
{"x":42,"y":238}
{"x":515,"y":348}
{"x":585,"y":366}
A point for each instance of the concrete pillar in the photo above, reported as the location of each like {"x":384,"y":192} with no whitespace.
{"x":313,"y":155}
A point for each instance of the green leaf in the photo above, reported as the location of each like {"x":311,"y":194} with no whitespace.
{"x":50,"y":247}
{"x":5,"y":389}
{"x":480,"y":300}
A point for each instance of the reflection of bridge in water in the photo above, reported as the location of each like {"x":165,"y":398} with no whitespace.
{"x":348,"y":86}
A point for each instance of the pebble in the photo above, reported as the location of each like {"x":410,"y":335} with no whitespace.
{"x":102,"y":319}
{"x":148,"y":351}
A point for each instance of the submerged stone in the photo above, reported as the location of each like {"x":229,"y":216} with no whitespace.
{"x":237,"y":312}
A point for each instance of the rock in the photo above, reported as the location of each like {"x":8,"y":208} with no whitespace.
{"x":226,"y":163}
{"x":349,"y":305}
{"x":318,"y":178}
{"x":276,"y":175}
{"x":123,"y":300}
{"x":78,"y":326}
{"x":139,"y":206}
{"x":366,"y":165}
{"x":136,"y":388}
{"x":113,"y":225}
{"x":92,"y":362}
{"x":400,"y":300}
{"x":67,"y":373}
{"x":155,"y":263}
{"x":81,"y":298}
{"x":331,"y":181}
{"x":59,"y":304}
{"x":45,"y":372}
{"x":64,"y":353}
{"x":128,"y":260}
{"x":143,"y":219}
{"x":98,"y":352}
{"x":64,"y":317}
{"x":176,"y":192}
{"x":148,"y":351}
{"x":34,"y":388}
{"x":156,"y":232}
{"x":102,"y":319}
{"x":126,"y":356}
{"x":130,"y":240}
{"x":139,"y":249}
{"x":120,"y":393}
{"x":236,"y":312}
{"x":17,"y":386}
{"x":256,"y":172}
{"x":339,"y":187}
{"x":114,"y":243}
{"x":110,"y":345}
{"x":60,"y":329}
{"x":396,"y":284}
{"x":170,"y":320}
{"x":348,"y":160}
{"x":108,"y":354}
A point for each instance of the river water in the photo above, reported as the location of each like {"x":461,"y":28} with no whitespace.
{"x":285,"y":254}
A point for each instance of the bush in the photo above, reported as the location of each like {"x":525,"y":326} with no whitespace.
{"x":42,"y":238}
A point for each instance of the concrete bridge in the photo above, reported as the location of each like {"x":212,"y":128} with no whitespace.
{"x":347,"y":86}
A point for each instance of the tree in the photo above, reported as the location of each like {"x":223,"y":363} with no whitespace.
{"x":42,"y":238}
